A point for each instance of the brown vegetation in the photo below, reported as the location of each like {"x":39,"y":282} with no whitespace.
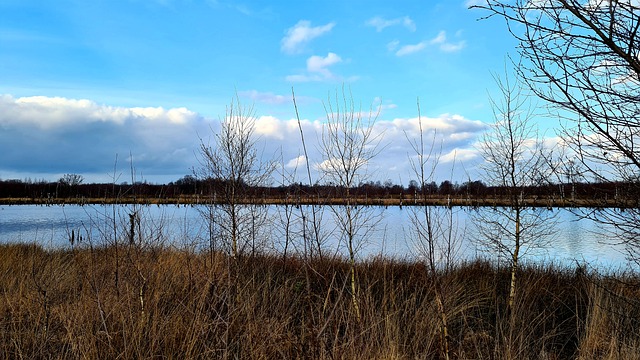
{"x":173,"y":303}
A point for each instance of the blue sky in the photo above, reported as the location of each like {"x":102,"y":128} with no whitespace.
{"x":85,"y":82}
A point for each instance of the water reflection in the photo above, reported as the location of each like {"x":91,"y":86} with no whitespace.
{"x":576,"y":239}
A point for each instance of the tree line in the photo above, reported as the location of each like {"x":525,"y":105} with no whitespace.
{"x":190,"y":186}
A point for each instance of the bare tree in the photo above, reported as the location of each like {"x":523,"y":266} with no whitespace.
{"x":236,"y":166}
{"x":582,"y":58}
{"x":514,"y":159}
{"x":435,"y":231}
{"x":348,"y":144}
{"x":71,"y":179}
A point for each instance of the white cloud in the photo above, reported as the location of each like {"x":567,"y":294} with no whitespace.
{"x":393,"y":45}
{"x":595,"y":4}
{"x":302,"y":78}
{"x":297,"y":162}
{"x":381,"y":106}
{"x":269,"y":126}
{"x":445,"y":125}
{"x":319,"y":64}
{"x":55,"y":112}
{"x":408,"y":23}
{"x":381,"y":23}
{"x":265,"y":97}
{"x":460,"y":156}
{"x":411,"y":49}
{"x":318,"y":69}
{"x":335,"y":165}
{"x":175,"y":116}
{"x":470,"y":3}
{"x":441,"y":41}
{"x":440,"y":38}
{"x":453,"y":47}
{"x":300,"y":34}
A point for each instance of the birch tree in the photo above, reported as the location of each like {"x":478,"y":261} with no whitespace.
{"x":515,"y":160}
{"x":348,"y":145}
{"x":235,"y":166}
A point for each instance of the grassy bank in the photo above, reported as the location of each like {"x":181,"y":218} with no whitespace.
{"x":128,"y":303}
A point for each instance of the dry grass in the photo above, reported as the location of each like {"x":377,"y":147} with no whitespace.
{"x":170,"y":303}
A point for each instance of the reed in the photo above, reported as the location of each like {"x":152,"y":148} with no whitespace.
{"x":64,"y":304}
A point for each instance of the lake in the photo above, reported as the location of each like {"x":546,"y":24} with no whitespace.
{"x":574,"y":240}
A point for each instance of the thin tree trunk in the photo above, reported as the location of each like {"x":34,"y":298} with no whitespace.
{"x":514,"y":261}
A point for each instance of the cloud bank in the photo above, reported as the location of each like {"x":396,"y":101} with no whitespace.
{"x":50,"y":136}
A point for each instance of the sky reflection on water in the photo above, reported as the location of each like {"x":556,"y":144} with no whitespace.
{"x":576,"y":241}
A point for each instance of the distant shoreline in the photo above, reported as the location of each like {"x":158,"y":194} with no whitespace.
{"x":363,"y":201}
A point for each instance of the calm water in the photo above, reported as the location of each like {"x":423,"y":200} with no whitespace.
{"x":51,"y":226}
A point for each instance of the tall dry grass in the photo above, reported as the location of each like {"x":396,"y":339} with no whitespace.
{"x":173,"y":303}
